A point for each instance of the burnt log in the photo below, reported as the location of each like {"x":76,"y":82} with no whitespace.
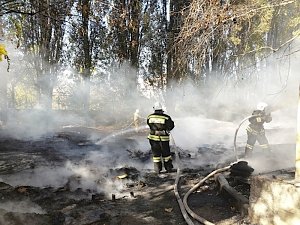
{"x":242,"y":202}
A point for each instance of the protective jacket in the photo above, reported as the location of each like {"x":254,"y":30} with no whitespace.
{"x":256,"y":123}
{"x":160,"y":124}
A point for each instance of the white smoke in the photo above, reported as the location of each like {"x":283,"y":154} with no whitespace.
{"x":204,"y":116}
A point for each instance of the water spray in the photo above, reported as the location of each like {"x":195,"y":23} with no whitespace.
{"x":122,"y":132}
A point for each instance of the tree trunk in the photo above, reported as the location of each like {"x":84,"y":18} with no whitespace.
{"x":87,"y":63}
{"x":134,"y":28}
{"x":176,"y":18}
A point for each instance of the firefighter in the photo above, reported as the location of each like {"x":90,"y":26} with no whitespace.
{"x":256,"y":131}
{"x":160,"y":125}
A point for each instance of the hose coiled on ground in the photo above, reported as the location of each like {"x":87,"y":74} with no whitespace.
{"x":185,"y":209}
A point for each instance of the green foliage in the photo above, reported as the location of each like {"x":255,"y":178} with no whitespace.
{"x":235,"y":40}
{"x":3,"y":52}
{"x":234,"y":35}
{"x":296,"y":32}
{"x":265,"y":20}
{"x":295,"y":22}
{"x":25,"y":97}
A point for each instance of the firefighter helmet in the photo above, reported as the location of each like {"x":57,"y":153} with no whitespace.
{"x":262,"y":106}
{"x":157,"y":106}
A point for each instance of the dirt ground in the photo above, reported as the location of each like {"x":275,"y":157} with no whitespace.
{"x":37,"y":189}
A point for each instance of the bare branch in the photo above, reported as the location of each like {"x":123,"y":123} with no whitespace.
{"x":208,"y":23}
{"x":268,"y":47}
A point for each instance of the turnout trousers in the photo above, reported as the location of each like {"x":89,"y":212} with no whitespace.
{"x":254,"y":136}
{"x":161,"y":155}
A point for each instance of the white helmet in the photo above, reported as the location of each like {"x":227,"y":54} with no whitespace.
{"x":157,"y":106}
{"x":261,"y":106}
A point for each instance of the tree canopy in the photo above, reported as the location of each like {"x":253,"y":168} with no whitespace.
{"x":154,"y":43}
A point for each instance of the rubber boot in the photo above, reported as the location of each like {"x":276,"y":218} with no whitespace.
{"x":169,"y":166}
{"x":157,"y":167}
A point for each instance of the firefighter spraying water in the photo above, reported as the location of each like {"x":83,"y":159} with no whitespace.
{"x":160,"y":125}
{"x":256,"y":131}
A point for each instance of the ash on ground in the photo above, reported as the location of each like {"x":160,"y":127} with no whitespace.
{"x":67,"y":179}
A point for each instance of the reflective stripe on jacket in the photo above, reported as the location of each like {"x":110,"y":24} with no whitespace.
{"x":159,"y":124}
{"x":160,"y":119}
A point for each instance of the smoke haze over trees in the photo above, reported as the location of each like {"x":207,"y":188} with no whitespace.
{"x":113,"y":56}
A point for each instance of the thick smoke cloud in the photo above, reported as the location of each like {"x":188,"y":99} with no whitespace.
{"x":205,"y":116}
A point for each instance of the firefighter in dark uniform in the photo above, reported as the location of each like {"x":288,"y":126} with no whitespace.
{"x":256,"y":131}
{"x":160,"y":125}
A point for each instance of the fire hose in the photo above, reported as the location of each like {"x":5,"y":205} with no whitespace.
{"x":194,"y":215}
{"x":183,"y":204}
{"x":185,"y":209}
{"x":178,"y":174}
{"x":235,"y":135}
